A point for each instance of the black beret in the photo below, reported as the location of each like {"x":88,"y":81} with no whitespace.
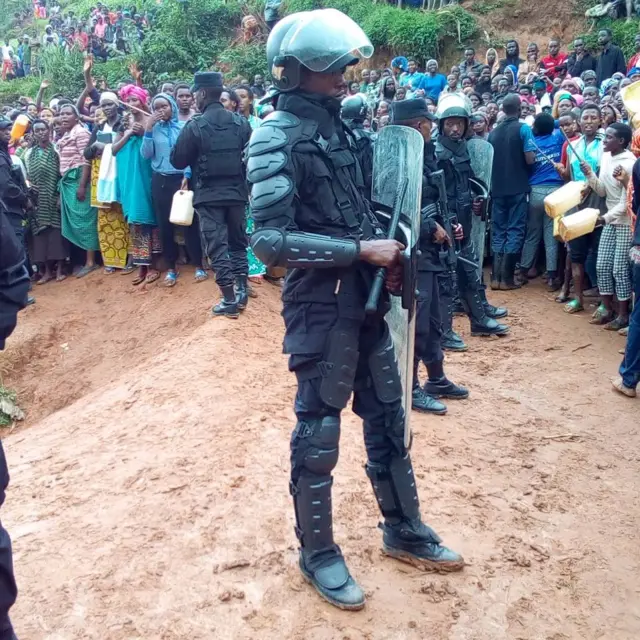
{"x":207,"y":80}
{"x":5,"y":123}
{"x":404,"y":110}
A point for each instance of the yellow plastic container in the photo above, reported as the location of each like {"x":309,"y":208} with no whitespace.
{"x":20,"y":126}
{"x":578,"y":224}
{"x":565,"y":198}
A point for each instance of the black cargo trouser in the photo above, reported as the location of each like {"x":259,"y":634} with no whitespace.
{"x":309,"y":327}
{"x":224,"y":240}
{"x":8,"y":589}
{"x":428,"y":319}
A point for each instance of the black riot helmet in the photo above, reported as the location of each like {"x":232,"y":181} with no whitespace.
{"x":324,"y":41}
{"x":354,"y":108}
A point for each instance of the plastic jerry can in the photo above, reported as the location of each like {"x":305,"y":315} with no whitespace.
{"x":182,"y":208}
{"x":578,"y":224}
{"x":565,"y":198}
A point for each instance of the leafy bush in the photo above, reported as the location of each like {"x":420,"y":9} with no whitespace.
{"x":63,"y":70}
{"x":623,"y":34}
{"x":244,"y":61}
{"x":11,"y":91}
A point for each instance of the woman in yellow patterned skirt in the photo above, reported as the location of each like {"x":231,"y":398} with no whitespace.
{"x":113,"y":231}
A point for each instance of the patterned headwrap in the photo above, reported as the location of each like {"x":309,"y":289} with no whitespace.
{"x":400,"y":62}
{"x":137,"y":92}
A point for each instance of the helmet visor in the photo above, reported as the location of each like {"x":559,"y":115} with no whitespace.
{"x":324,"y":37}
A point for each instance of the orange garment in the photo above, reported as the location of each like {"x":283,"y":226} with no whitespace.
{"x":635,"y":143}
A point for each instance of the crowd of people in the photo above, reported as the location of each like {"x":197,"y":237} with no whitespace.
{"x":568,"y":110}
{"x":104,"y":34}
{"x":87,"y":182}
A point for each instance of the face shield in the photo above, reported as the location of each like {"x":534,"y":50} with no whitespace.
{"x":325,"y":40}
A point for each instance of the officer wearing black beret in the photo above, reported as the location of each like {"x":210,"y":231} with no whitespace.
{"x":212,"y":144}
{"x":433,"y":238}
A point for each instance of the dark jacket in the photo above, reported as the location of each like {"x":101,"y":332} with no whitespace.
{"x":575,"y":67}
{"x":13,"y":190}
{"x":429,"y":259}
{"x":212,"y":144}
{"x":609,"y":62}
{"x":510,"y":173}
{"x":14,"y":279}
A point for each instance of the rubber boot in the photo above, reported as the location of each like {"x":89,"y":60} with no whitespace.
{"x":321,"y":561}
{"x":507,"y":282}
{"x":496,"y":273}
{"x":228,"y":306}
{"x":439,"y":386}
{"x":422,"y":401}
{"x":450,"y":341}
{"x":405,"y":536}
{"x":242,"y":292}
{"x":489,"y":309}
{"x":481,"y":323}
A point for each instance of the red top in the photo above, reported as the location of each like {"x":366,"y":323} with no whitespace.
{"x":633,"y":62}
{"x":550,"y":63}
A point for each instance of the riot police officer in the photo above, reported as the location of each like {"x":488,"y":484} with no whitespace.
{"x":212,"y":145}
{"x":311,"y":217}
{"x":453,"y":158}
{"x":353,"y":113}
{"x":14,"y":287}
{"x":433,"y":241}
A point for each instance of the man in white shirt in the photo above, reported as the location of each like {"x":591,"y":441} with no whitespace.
{"x":7,"y":59}
{"x":615,"y":241}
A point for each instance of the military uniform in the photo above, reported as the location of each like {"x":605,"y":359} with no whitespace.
{"x":311,"y":217}
{"x":453,"y":158}
{"x":212,"y":144}
{"x":14,"y":287}
{"x":353,"y":113}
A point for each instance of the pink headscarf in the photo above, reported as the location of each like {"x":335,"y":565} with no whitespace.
{"x":134,"y":90}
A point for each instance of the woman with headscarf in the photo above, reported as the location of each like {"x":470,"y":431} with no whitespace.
{"x":511,"y":74}
{"x":161,"y":133}
{"x":133,"y":178}
{"x":563,"y":102}
{"x":491,"y":60}
{"x":79,"y":218}
{"x":43,"y":171}
{"x":113,"y":230}
{"x":387,"y":89}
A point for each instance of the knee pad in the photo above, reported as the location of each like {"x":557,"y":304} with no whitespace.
{"x":317,"y":444}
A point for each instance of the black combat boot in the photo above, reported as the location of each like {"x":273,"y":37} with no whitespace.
{"x":451,"y":341}
{"x":481,"y":323}
{"x":422,"y":401}
{"x":507,"y":282}
{"x":496,"y":273}
{"x":321,"y":561}
{"x":489,"y":309}
{"x":228,"y":306}
{"x":439,"y":386}
{"x":405,"y":536}
{"x":242,"y":292}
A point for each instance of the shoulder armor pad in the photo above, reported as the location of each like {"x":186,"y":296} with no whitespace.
{"x":267,"y":193}
{"x":263,"y":166}
{"x":266,"y":139}
{"x":282,"y":119}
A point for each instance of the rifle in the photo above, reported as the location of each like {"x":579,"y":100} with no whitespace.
{"x":378,"y":281}
{"x":449,"y":254}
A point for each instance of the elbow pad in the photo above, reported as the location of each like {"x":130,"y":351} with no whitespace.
{"x":299,"y":250}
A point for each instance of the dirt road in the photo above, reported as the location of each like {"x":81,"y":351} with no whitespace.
{"x":149,"y":486}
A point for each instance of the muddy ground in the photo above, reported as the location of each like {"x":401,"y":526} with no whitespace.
{"x":149,"y":484}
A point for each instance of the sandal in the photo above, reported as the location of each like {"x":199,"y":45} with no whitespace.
{"x":601,"y":316}
{"x":573,"y":306}
{"x":140,"y":277}
{"x":86,"y":270}
{"x":152,"y":276}
{"x":170,"y":279}
{"x":201,"y":275}
{"x":617,"y":324}
{"x":109,"y":270}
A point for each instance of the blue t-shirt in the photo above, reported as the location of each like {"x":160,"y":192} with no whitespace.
{"x":413,"y":78}
{"x":432,"y":85}
{"x":543,"y":172}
